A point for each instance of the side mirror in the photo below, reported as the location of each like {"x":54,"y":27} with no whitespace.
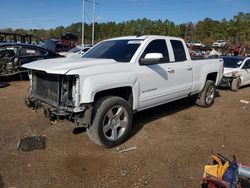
{"x":151,"y":58}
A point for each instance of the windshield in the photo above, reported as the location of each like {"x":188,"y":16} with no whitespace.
{"x":119,"y":50}
{"x":75,"y":50}
{"x":232,"y":62}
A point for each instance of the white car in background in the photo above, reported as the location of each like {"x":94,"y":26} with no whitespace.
{"x":196,"y":44}
{"x":219,"y":43}
{"x":236,"y":72}
{"x":78,"y":51}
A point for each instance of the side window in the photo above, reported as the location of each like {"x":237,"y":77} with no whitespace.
{"x":85,"y":50}
{"x":157,"y":46}
{"x":179,"y":51}
{"x":30,"y":52}
{"x":247,"y":65}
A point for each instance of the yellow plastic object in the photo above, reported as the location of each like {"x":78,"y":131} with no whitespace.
{"x":216,"y":170}
{"x":211,"y":170}
{"x":220,"y":166}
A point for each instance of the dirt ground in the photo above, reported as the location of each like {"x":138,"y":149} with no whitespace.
{"x":173,"y":143}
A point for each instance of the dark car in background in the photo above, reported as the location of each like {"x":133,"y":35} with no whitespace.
{"x":14,"y":55}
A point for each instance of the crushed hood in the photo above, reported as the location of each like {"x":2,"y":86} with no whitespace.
{"x":229,"y":70}
{"x":64,"y":65}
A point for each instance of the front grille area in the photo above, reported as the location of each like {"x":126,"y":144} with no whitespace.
{"x":46,"y":87}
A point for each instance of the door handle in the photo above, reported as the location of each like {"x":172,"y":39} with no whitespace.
{"x":189,"y":68}
{"x":170,"y":70}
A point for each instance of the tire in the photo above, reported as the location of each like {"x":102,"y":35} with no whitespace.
{"x":235,"y":85}
{"x":207,"y":95}
{"x":112,"y":121}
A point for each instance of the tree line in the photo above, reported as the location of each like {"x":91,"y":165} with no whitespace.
{"x":235,"y":31}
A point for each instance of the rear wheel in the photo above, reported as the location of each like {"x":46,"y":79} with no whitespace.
{"x":207,"y":95}
{"x":112,"y":122}
{"x":235,"y":85}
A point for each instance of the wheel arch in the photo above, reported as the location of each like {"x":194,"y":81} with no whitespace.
{"x":212,"y":76}
{"x":125,"y":92}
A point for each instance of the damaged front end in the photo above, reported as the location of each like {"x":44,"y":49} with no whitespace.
{"x":58,"y":96}
{"x":227,"y":78}
{"x":9,"y":64}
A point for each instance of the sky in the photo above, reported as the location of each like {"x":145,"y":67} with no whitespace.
{"x":37,"y":14}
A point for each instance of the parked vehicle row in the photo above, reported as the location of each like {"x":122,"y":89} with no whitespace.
{"x":117,"y":78}
{"x":14,"y":55}
{"x":218,"y":44}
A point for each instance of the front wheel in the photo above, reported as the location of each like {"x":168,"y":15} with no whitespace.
{"x":112,"y":122}
{"x":207,"y":95}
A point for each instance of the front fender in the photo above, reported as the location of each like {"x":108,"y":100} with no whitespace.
{"x":96,"y":83}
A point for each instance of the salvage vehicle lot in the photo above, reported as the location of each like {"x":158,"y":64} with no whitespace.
{"x":173,"y":143}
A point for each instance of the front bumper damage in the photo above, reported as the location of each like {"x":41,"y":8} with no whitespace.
{"x":79,"y":116}
{"x":58,"y":96}
{"x":10,"y":65}
{"x":228,"y":78}
{"x":226,"y":81}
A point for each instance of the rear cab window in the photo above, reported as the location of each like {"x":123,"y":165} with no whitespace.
{"x":179,"y":50}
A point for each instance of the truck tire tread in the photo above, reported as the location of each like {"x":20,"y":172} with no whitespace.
{"x":201,"y":98}
{"x":100,"y":107}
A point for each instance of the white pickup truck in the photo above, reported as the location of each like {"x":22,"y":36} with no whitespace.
{"x":118,"y":77}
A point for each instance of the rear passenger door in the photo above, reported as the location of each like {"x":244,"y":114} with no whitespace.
{"x":167,"y":80}
{"x":182,"y":67}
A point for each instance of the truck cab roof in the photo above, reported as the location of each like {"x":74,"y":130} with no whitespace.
{"x":142,"y":37}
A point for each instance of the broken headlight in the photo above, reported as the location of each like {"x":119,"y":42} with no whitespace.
{"x":69,"y":90}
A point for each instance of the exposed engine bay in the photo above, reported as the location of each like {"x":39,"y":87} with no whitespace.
{"x":9,"y":63}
